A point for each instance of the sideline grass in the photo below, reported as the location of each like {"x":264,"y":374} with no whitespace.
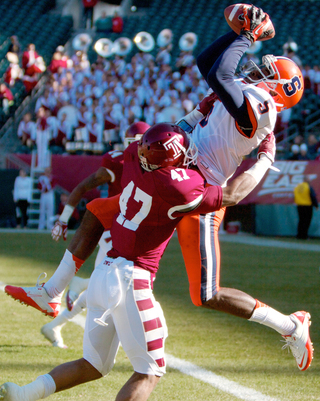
{"x":241,"y":351}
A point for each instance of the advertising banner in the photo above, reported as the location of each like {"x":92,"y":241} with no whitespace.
{"x":277,"y":187}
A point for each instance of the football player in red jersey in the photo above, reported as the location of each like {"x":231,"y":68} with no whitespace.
{"x":158,"y":190}
{"x":110,"y":172}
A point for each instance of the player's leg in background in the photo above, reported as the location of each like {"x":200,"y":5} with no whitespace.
{"x":61,"y":378}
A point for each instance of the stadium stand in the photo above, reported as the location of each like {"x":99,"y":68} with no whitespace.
{"x":34,"y":21}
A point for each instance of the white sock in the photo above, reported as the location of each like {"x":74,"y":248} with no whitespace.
{"x":267,"y":316}
{"x":42,"y":387}
{"x":67,"y":268}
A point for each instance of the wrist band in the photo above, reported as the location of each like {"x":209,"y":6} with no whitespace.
{"x":66,"y":214}
{"x":259,"y":169}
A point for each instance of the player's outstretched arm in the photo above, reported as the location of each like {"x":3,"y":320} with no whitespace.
{"x":241,"y":186}
{"x":100,"y":177}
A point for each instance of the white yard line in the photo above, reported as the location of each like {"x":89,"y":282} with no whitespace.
{"x":248,"y":239}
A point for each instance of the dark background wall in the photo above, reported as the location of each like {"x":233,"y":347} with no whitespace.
{"x":7,"y":207}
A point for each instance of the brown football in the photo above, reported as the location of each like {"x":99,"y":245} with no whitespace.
{"x":234,"y":17}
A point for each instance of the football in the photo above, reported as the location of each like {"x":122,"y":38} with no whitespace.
{"x":234,"y":17}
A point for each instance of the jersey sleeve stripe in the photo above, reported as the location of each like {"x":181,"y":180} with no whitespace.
{"x":185,"y":208}
{"x":112,"y":175}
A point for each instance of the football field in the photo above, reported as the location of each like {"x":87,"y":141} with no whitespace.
{"x":210,"y":355}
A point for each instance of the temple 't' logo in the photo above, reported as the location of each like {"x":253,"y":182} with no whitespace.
{"x":174,"y":144}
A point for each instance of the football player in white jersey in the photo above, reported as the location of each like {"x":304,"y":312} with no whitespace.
{"x":243,"y":112}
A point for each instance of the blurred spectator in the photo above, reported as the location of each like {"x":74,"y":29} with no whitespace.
{"x":295,"y":150}
{"x":59,"y":60}
{"x":282,"y":123}
{"x":46,"y":185}
{"x":164,"y":55}
{"x":305,"y":198}
{"x":47,"y":101}
{"x":6,"y":98}
{"x":308,"y":76}
{"x":316,"y":79}
{"x":22,"y":195}
{"x":289,"y":50}
{"x":27,"y":133}
{"x":14,"y":46}
{"x":88,"y":9}
{"x":64,"y":134}
{"x":117,"y":23}
{"x":298,"y":139}
{"x":14,"y":72}
{"x":303,"y":155}
{"x":42,"y":139}
{"x":313,"y":146}
{"x":103,"y":23}
{"x":185,"y":60}
{"x":33,"y":65}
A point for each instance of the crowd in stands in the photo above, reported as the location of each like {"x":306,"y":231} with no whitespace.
{"x":86,"y":107}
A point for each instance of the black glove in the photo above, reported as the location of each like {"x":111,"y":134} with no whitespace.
{"x":254,"y":26}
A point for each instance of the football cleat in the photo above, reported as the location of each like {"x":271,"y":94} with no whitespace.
{"x":299,"y":341}
{"x":52,"y":333}
{"x":76,"y":287}
{"x":37,"y":297}
{"x":11,"y":392}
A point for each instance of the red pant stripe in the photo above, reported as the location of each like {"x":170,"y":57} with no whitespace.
{"x":145,"y":304}
{"x":155,"y":344}
{"x":139,"y":284}
{"x":161,"y":362}
{"x":152,"y":324}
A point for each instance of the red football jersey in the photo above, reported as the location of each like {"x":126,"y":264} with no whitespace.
{"x":152,"y":204}
{"x":113,"y":161}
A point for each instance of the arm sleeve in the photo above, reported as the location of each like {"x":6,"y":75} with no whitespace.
{"x":211,"y":201}
{"x":209,"y":56}
{"x":218,"y":64}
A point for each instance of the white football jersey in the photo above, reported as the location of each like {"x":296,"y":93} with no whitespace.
{"x":220,"y":142}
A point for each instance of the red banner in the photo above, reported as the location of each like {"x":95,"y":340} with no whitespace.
{"x":69,"y":171}
{"x":277,"y":187}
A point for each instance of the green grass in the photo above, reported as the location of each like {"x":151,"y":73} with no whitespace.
{"x":245,"y":352}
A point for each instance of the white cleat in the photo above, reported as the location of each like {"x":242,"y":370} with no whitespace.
{"x":37,"y":297}
{"x":11,"y":392}
{"x":76,"y":287}
{"x":299,"y":341}
{"x":52,"y":333}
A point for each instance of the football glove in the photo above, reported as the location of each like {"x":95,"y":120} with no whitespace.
{"x":59,"y":230}
{"x":268,"y":147}
{"x":206,"y":103}
{"x":255,"y":28}
{"x":189,"y":121}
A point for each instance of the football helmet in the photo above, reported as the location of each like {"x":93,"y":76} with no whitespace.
{"x":134,"y":132}
{"x":166,"y":144}
{"x":280,"y":76}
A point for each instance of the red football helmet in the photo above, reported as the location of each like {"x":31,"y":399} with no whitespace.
{"x":166,"y":144}
{"x":134,"y":132}
{"x":277,"y":74}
